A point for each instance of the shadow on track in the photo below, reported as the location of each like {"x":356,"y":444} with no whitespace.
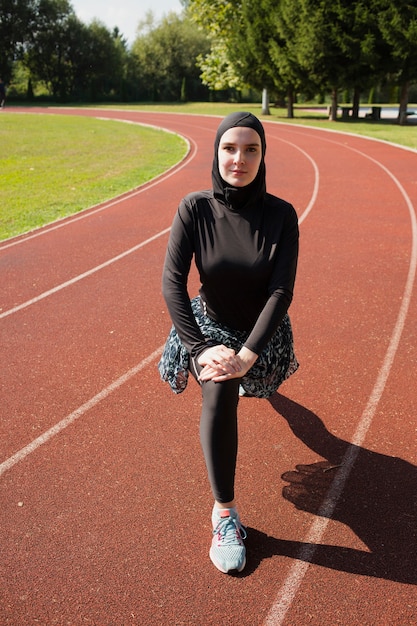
{"x":378,"y":502}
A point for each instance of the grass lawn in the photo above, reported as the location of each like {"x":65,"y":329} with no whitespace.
{"x":54,"y":166}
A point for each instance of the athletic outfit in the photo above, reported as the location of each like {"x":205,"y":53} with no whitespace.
{"x":246,"y":259}
{"x":244,"y":243}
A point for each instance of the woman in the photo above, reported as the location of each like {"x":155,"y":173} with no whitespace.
{"x":235,"y":337}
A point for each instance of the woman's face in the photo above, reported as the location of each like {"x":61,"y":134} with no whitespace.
{"x":240,"y":155}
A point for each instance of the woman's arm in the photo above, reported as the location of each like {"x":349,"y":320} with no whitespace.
{"x":177,"y":265}
{"x":281,"y":286}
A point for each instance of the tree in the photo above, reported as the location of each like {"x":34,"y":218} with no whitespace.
{"x":75,"y":61}
{"x":333,"y":44}
{"x":271,"y":34}
{"x":218,"y":72}
{"x":252,"y":46}
{"x":277,"y":46}
{"x":164,"y":58}
{"x":221,"y":21}
{"x":100,"y":63}
{"x":398,"y":25}
{"x":50,"y":44}
{"x":16,"y":20}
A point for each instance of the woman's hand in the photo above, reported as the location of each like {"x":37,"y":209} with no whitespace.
{"x":221,"y":363}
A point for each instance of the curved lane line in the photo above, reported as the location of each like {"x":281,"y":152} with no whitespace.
{"x":107,"y":204}
{"x":298,"y":570}
{"x":316,"y":178}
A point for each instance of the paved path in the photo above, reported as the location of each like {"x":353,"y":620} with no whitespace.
{"x":105,"y":506}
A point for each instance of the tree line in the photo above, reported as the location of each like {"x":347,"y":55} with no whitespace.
{"x":311,"y":47}
{"x":46,"y":50}
{"x":290,"y":49}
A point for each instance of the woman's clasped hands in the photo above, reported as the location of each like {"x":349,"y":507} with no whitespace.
{"x":221,"y":363}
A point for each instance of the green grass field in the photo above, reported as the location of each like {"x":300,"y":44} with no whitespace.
{"x":53,"y":166}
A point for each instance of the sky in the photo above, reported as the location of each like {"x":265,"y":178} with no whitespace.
{"x":125,"y":14}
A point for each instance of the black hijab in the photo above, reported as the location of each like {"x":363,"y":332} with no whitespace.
{"x":239,"y":197}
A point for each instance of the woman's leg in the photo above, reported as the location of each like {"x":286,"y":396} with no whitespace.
{"x":219,"y":437}
{"x":218,"y":434}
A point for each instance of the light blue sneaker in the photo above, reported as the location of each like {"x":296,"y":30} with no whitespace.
{"x":228,"y":552}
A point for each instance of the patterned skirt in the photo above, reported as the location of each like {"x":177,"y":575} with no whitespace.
{"x":275,"y":364}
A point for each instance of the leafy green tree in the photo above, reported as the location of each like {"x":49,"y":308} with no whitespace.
{"x":360,"y":42}
{"x":164,"y":58}
{"x":252,"y":45}
{"x":364,"y":49}
{"x":282,"y":46}
{"x":17,"y":18}
{"x":317,"y":46}
{"x":72,"y":59}
{"x":336,"y":45}
{"x":254,"y":42}
{"x":312,"y":46}
{"x":218,"y":72}
{"x":50,"y":45}
{"x":269,"y":47}
{"x":222,"y":65}
{"x":397,"y":22}
{"x":99,"y":63}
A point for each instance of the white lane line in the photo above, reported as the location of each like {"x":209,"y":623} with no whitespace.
{"x":103,"y":206}
{"x":316,"y":177}
{"x":72,"y":417}
{"x":290,"y":587}
{"x":74,"y":280}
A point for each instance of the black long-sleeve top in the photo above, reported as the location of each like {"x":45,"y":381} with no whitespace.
{"x":247,"y":262}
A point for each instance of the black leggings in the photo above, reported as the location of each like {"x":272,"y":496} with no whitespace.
{"x":218,"y":433}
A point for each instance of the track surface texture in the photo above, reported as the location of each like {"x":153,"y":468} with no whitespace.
{"x":105,"y":506}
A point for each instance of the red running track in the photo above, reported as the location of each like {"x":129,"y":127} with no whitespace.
{"x":105,"y":507}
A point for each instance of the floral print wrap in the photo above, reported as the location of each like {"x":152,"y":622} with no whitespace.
{"x":275,"y":364}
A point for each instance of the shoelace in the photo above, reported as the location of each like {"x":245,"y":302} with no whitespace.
{"x":230,"y":531}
